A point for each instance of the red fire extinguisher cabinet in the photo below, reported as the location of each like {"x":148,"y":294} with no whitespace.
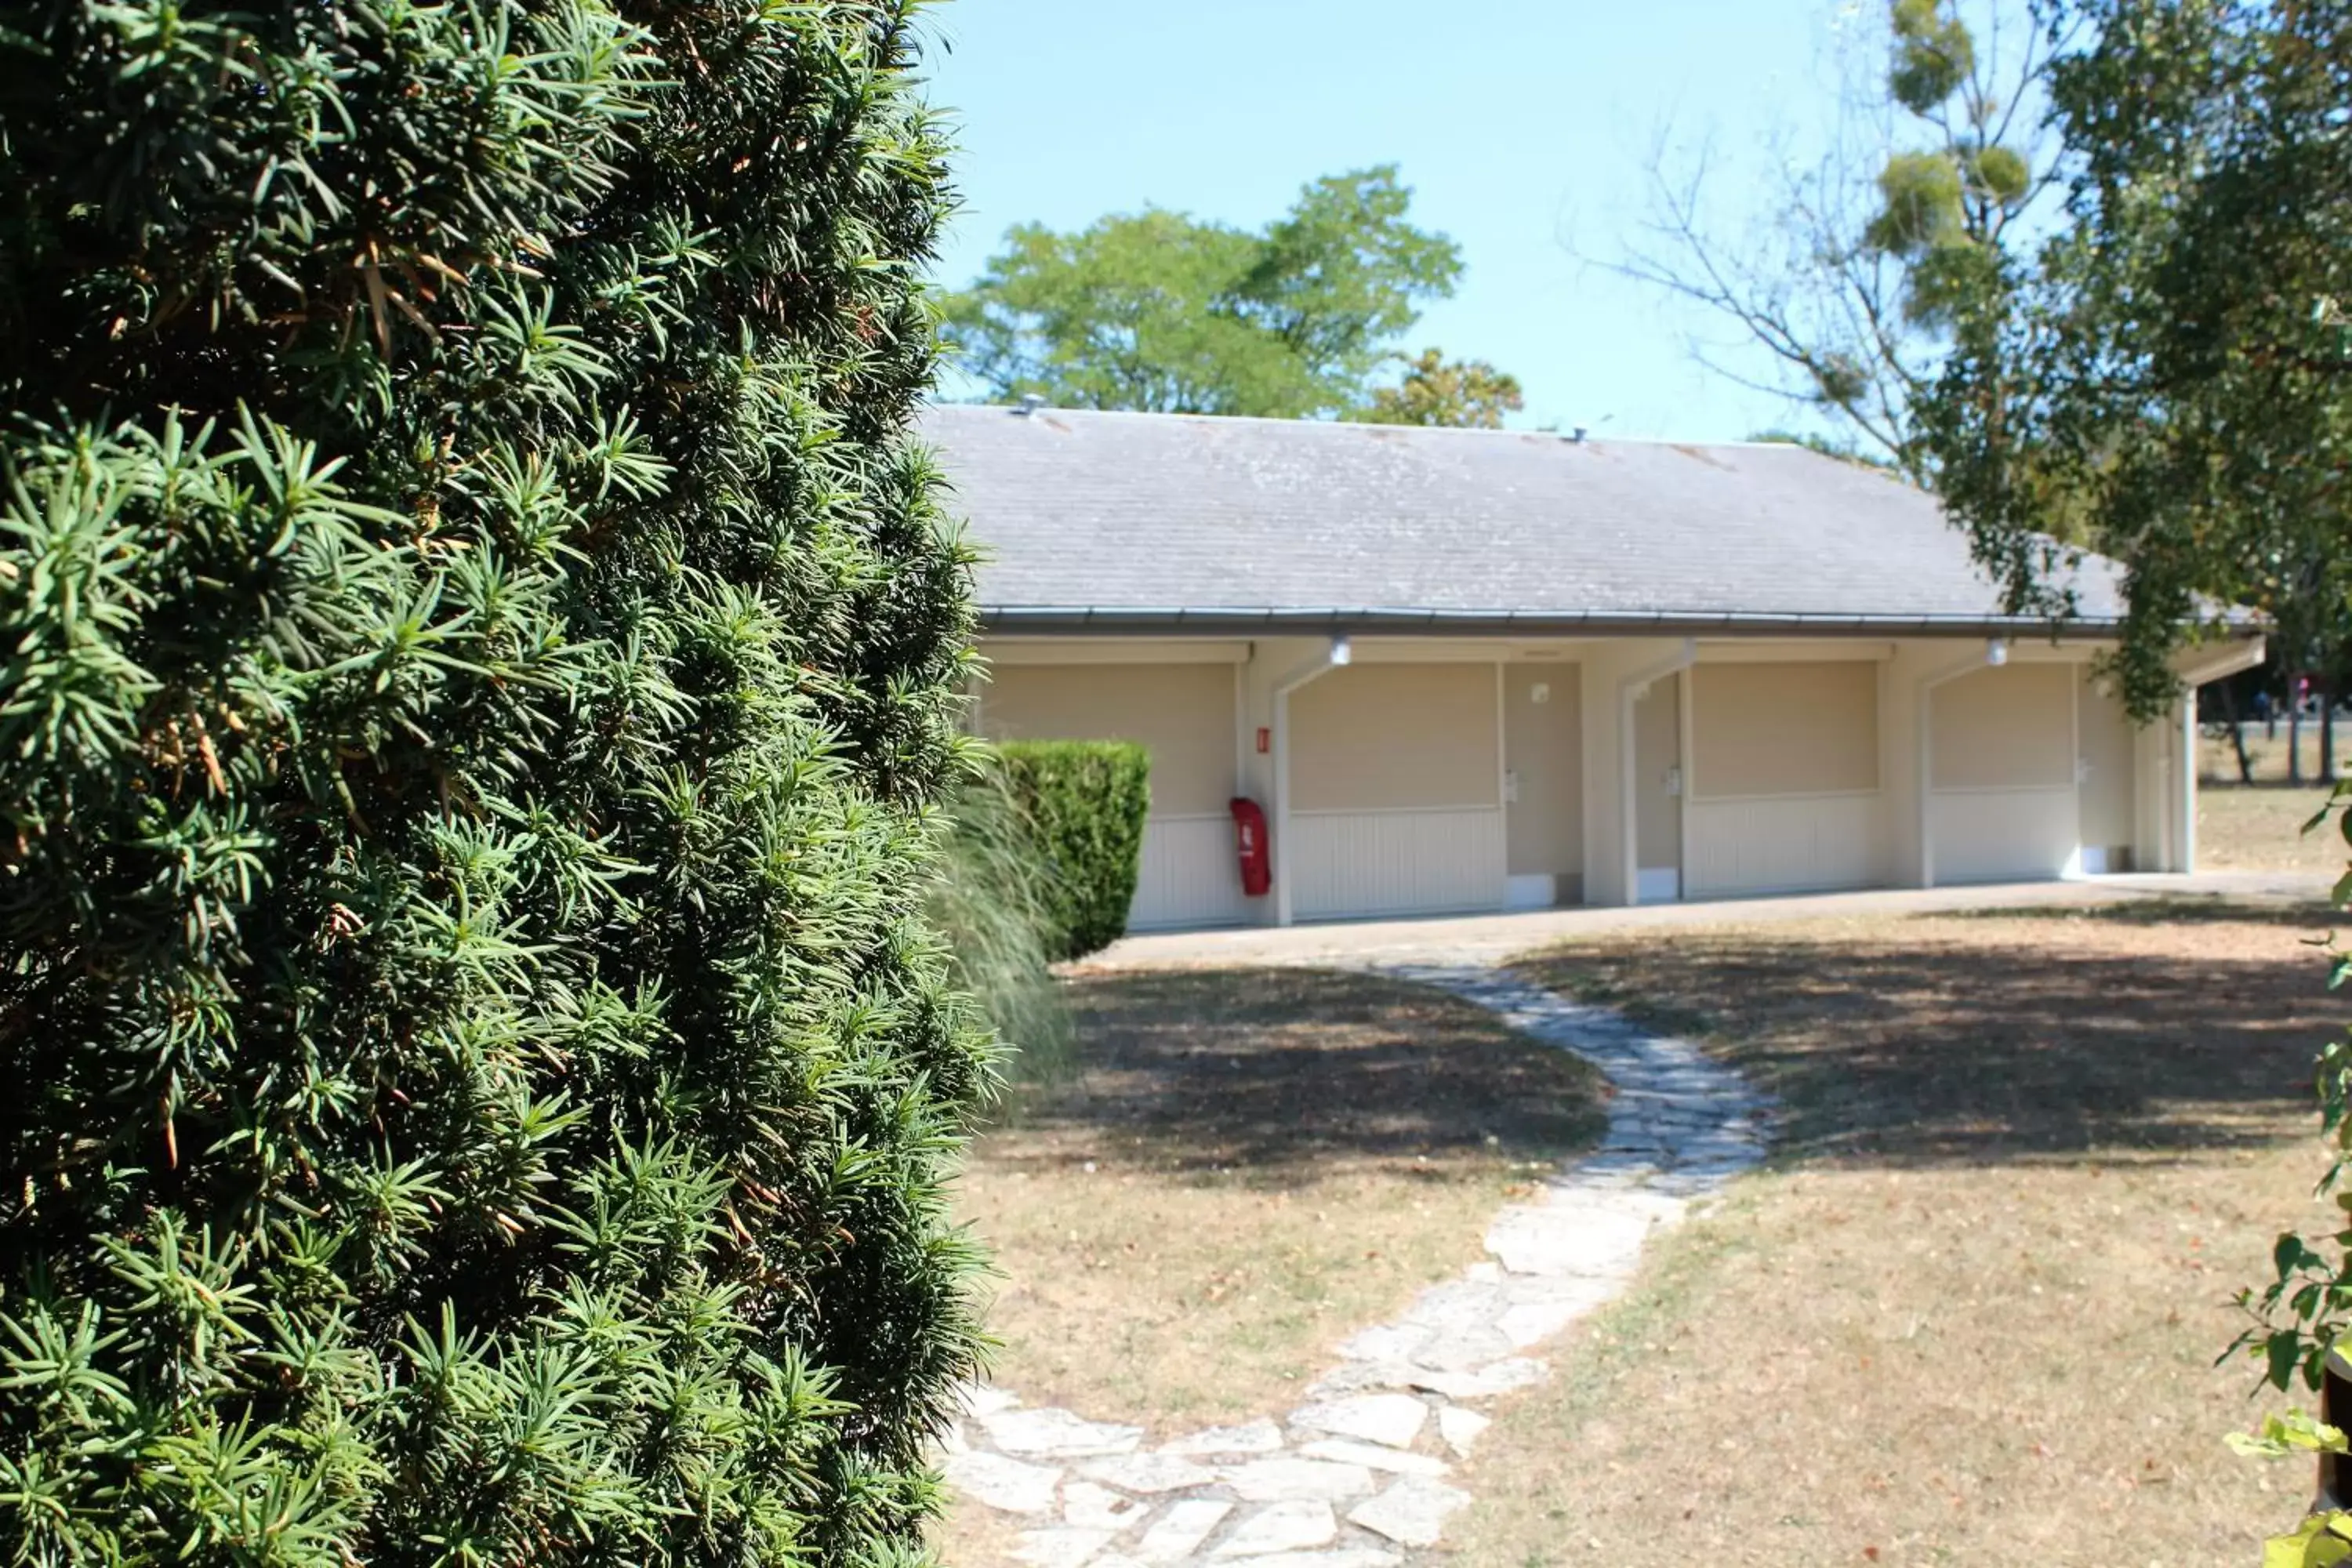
{"x":1250,"y":845}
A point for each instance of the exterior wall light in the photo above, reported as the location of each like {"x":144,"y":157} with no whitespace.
{"x":1996,"y":651}
{"x":1342,"y":651}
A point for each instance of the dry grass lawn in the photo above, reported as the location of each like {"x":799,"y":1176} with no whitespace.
{"x":1969,"y":1315}
{"x":2217,"y":761}
{"x":2260,"y":828}
{"x":1248,"y":1167}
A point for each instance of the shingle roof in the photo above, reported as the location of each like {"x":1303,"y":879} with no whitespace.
{"x":1140,"y":520}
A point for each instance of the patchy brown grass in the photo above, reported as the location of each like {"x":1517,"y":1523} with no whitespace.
{"x":1970,"y":1314}
{"x":2260,"y":828}
{"x":1248,"y":1167}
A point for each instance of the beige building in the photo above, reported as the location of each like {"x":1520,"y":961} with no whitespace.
{"x":1470,"y":671}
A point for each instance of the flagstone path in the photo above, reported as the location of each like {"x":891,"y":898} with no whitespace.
{"x":1359,"y":1473}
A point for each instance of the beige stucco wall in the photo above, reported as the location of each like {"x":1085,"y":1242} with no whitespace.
{"x":1543,"y":746}
{"x":1377,"y":737}
{"x":1183,"y":713}
{"x":1807,"y":728}
{"x":2110,"y":801}
{"x":2006,"y":727}
{"x":1657,"y":752}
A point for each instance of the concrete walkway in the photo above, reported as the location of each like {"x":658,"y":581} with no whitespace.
{"x":1489,"y":939}
{"x":1358,"y":1471}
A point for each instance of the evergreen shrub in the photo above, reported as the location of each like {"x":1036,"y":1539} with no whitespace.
{"x":479,"y":659}
{"x":1086,"y":802}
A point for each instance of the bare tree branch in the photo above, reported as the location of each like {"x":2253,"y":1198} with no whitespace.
{"x":1834,"y":308}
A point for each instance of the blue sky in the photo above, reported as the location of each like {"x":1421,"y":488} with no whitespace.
{"x":1523,"y":127}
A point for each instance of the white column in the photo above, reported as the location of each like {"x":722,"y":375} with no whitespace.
{"x":2184,"y":792}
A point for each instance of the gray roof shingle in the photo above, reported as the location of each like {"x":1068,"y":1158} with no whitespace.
{"x":1138,"y":520}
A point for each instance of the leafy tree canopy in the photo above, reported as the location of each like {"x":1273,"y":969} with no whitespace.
{"x":2168,"y":380}
{"x":1159,"y":311}
{"x":1437,"y":391}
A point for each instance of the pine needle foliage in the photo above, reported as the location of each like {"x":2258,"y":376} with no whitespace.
{"x":477,"y":669}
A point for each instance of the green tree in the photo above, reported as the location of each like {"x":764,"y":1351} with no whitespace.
{"x":1845,"y":451}
{"x":478,"y":657}
{"x":1435,"y":390}
{"x":1854,"y":278}
{"x":2168,"y":380}
{"x":2171,"y":372}
{"x":1159,"y":311}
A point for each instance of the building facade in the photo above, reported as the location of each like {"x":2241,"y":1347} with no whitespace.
{"x":1473,"y":671}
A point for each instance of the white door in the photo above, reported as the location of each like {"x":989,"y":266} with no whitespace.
{"x":1658,"y":793}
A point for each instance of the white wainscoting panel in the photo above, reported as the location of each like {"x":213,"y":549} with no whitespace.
{"x":1441,"y":860}
{"x":1191,"y":876}
{"x":1658,"y":885}
{"x":1535,"y":890}
{"x":2024,"y":835}
{"x":1785,"y":844}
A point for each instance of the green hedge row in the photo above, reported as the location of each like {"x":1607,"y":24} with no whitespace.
{"x":1086,"y":801}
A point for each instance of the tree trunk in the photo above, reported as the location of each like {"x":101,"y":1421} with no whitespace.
{"x":2237,"y":733}
{"x":2294,"y":731}
{"x":2327,"y":731}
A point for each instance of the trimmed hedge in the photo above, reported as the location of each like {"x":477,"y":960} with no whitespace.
{"x":1086,"y":802}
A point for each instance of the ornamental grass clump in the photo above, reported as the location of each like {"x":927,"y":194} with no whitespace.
{"x":478,"y":657}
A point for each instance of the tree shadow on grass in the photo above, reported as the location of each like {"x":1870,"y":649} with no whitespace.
{"x":2313,"y":917}
{"x":1272,"y":1076}
{"x":2003,"y":1036}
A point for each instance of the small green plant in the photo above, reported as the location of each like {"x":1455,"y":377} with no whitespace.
{"x":1086,"y":801}
{"x":2306,"y":1310}
{"x":2321,"y":1540}
{"x":2300,"y":1315}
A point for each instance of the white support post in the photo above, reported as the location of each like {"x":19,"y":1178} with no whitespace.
{"x":1333,"y":657}
{"x":2184,"y":792}
{"x":1685,"y":764}
{"x":1923,"y":805}
{"x":2196,"y":667}
{"x":1281,"y":846}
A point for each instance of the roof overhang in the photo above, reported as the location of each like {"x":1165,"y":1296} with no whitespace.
{"x":1058,"y":620}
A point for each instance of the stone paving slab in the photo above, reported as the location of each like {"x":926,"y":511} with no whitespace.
{"x":1372,"y":1456}
{"x":1411,"y":1513}
{"x":1284,"y":1526}
{"x":1394,"y":1419}
{"x":1057,"y":1434}
{"x":1359,"y":1470}
{"x":1181,"y":1529}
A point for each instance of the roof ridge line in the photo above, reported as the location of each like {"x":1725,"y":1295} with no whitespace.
{"x":1303,"y":422}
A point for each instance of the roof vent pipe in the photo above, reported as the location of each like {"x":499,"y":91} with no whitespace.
{"x":1030,"y":402}
{"x":1578,"y":437}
